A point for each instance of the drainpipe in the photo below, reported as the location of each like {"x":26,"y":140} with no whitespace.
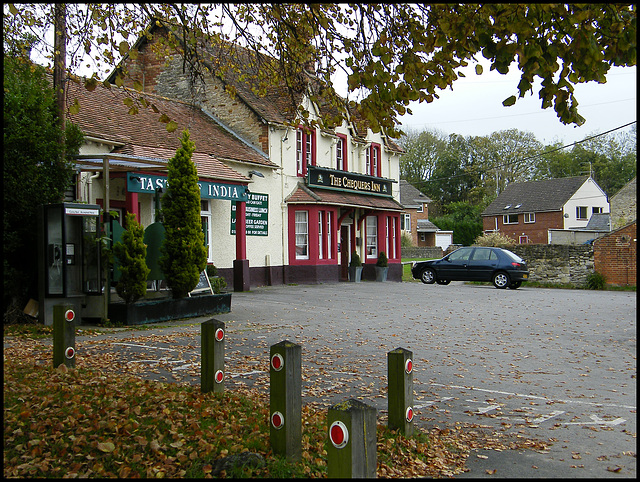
{"x":89,"y":183}
{"x":283,"y":205}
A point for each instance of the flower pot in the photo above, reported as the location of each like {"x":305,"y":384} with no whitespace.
{"x":355,"y":273}
{"x":165,"y":309}
{"x":381,"y":273}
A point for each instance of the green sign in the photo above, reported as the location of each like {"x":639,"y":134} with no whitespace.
{"x":147,"y":183}
{"x":257,"y":215}
{"x":348,"y":181}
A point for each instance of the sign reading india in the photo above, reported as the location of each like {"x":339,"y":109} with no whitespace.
{"x":348,"y":181}
{"x":256,"y":215}
{"x":148,"y":183}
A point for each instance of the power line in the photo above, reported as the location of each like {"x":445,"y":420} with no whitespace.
{"x":537,"y":155}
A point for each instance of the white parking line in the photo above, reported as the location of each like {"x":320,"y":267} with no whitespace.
{"x":524,"y":395}
{"x":146,"y":346}
{"x":431,"y":402}
{"x":598,"y":421}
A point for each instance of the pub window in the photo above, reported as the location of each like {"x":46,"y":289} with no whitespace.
{"x":341,"y":153}
{"x":305,"y":147}
{"x":302,"y":235}
{"x":581,"y":212}
{"x":205,"y":218}
{"x":529,"y":217}
{"x":391,"y":237}
{"x":510,"y":219}
{"x":372,"y":237}
{"x":324,"y":234}
{"x":373,"y":160}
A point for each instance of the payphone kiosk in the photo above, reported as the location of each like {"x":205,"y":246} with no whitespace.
{"x":68,"y":256}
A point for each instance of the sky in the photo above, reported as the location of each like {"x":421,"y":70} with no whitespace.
{"x":474,"y":107}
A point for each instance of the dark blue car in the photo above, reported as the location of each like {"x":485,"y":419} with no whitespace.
{"x":500,"y":266}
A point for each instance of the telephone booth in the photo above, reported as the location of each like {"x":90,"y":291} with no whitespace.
{"x":68,"y":256}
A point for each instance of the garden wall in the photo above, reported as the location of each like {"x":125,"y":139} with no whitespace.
{"x":425,"y":252}
{"x":555,"y":263}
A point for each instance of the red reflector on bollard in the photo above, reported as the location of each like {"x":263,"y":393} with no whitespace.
{"x":69,"y":352}
{"x":219,"y":376}
{"x":409,"y":414}
{"x":69,"y":315}
{"x":277,"y":362}
{"x":277,"y":420}
{"x":408,"y":366}
{"x":219,"y":334}
{"x":338,"y":434}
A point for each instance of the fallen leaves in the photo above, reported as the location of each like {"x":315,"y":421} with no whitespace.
{"x":102,"y":419}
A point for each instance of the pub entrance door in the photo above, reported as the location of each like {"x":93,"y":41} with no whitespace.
{"x":344,"y":252}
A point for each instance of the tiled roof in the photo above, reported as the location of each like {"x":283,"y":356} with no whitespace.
{"x":599,"y":222}
{"x":426,"y":226}
{"x":206,"y":165}
{"x":410,"y":196}
{"x":535,"y":196}
{"x":304,"y":195}
{"x":104,"y":115}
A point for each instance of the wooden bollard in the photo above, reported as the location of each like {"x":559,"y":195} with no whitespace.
{"x":400,"y":393}
{"x":212,"y":373}
{"x":285,"y":397}
{"x":64,"y":335}
{"x":351,"y":451}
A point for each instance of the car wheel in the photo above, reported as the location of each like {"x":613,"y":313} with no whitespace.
{"x":428,"y":276}
{"x":515,"y":285}
{"x":501,"y":280}
{"x":443,"y":281}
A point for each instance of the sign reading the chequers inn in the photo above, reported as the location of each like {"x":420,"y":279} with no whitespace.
{"x":348,"y":181}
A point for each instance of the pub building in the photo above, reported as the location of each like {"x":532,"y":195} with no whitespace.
{"x":279,"y":204}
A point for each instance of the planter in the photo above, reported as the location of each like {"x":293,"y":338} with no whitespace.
{"x":165,"y":309}
{"x":355,"y":273}
{"x":381,"y":273}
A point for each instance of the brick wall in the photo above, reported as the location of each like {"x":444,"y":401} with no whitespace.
{"x":536,"y":232}
{"x":614,"y":256}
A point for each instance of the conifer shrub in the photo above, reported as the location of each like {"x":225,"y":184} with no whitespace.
{"x":383,"y":261}
{"x":355,"y":260}
{"x":183,"y":253}
{"x":131,"y":253}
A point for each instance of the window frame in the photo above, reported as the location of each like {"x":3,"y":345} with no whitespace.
{"x":529,"y":218}
{"x":305,"y":150}
{"x":506,"y":219}
{"x":300,"y":233}
{"x":373,"y":165}
{"x":406,"y":222}
{"x":371,"y":237}
{"x":579,"y":211}
{"x":342,"y":164}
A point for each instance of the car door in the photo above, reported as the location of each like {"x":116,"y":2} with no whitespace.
{"x":482,"y":264}
{"x":454,"y":266}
